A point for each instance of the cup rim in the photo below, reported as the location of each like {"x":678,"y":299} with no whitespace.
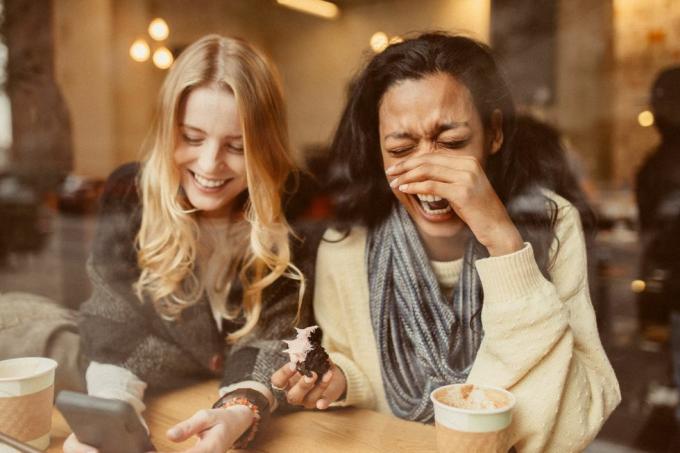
{"x":51,"y":366}
{"x":499,"y":410}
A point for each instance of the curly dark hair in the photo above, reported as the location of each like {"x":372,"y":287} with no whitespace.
{"x":357,"y":180}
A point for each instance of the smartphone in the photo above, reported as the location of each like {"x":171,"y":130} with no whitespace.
{"x":111,"y":426}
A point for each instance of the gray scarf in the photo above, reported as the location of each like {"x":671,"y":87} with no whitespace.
{"x":424,"y":340}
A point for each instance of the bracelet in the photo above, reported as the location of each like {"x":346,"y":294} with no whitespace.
{"x":253,"y":400}
{"x":249,"y":434}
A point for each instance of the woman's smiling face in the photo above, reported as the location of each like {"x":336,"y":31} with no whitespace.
{"x":433,"y":114}
{"x":210,"y":150}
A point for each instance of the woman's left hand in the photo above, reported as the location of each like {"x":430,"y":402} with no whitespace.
{"x":217,"y":429}
{"x":462,"y":181}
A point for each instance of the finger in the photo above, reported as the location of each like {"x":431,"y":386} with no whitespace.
{"x":208,"y":444}
{"x":439,"y":158}
{"x":317,"y":392}
{"x":428,"y":188}
{"x":434,"y":172}
{"x":200,"y":421}
{"x":297,"y":393}
{"x":281,"y":376}
{"x":335,"y":389}
{"x":73,"y":445}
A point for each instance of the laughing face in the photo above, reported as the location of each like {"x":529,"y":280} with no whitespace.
{"x":433,"y":114}
{"x":209,"y":153}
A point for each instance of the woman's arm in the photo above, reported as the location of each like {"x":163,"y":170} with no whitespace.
{"x":345,"y":384}
{"x":335,"y":259}
{"x":541,"y":342}
{"x":114,"y":325}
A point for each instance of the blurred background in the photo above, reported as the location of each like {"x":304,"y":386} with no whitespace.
{"x":79,"y":79}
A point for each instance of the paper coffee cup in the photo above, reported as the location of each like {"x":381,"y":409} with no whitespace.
{"x":26,"y":396}
{"x":479,"y":424}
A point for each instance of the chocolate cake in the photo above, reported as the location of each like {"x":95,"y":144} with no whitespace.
{"x":306,"y":352}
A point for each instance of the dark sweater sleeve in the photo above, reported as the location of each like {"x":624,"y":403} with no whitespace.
{"x":256,"y":356}
{"x":116,"y":328}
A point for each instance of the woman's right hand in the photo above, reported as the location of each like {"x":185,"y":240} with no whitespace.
{"x":73,"y":445}
{"x":305,"y":391}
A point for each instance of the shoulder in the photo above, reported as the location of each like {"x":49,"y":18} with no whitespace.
{"x":121,"y":189}
{"x":342,"y":249}
{"x":565,"y":212}
{"x":337,"y":241}
{"x":568,"y":249}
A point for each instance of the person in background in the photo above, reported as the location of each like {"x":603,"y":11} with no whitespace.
{"x":192,"y":267}
{"x":450,"y":262}
{"x":658,"y":199}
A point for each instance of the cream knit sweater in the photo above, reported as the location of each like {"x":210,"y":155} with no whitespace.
{"x":541,"y":340}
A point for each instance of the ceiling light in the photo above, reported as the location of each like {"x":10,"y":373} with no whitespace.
{"x":163,"y":58}
{"x":646,"y":118}
{"x":321,"y":8}
{"x":139,"y":50}
{"x":158,"y":29}
{"x":379,"y":42}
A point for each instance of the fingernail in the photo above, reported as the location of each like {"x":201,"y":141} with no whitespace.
{"x":327,"y":377}
{"x":403,"y":187}
{"x":390,"y":169}
{"x":174,"y":432}
{"x":309,"y":379}
{"x":394,"y":182}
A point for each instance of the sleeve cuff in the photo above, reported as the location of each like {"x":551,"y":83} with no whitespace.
{"x":254,"y":385}
{"x":510,"y":276}
{"x":359,"y":392}
{"x":114,"y":382}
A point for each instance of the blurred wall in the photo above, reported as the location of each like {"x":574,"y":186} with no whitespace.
{"x":647,"y":37}
{"x":318,"y":58}
{"x":84,"y":69}
{"x":583,"y":107}
{"x":112,"y":98}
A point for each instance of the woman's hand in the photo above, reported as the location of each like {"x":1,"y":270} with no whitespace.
{"x":73,"y":445}
{"x":217,"y":429}
{"x":305,"y":391}
{"x":462,"y":181}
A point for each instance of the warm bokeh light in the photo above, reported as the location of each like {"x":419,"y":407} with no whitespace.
{"x":163,"y":58}
{"x":646,"y":118}
{"x":321,"y":8}
{"x":638,"y":286}
{"x":139,"y":50}
{"x":379,"y":42}
{"x":158,"y":29}
{"x":396,"y":39}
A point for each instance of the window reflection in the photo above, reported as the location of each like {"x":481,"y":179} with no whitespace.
{"x":583,"y":67}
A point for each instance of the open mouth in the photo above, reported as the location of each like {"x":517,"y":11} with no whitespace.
{"x":433,"y":205}
{"x":208,"y":183}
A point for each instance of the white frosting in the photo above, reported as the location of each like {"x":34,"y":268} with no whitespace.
{"x":300,"y":345}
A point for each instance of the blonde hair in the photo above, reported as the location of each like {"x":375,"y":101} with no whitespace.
{"x":167,"y":241}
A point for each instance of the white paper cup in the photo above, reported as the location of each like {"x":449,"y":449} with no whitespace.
{"x":26,"y":396}
{"x":472,"y":430}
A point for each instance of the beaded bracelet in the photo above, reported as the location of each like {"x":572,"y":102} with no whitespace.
{"x":253,"y":400}
{"x":249,"y":434}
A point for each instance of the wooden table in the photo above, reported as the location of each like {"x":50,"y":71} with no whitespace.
{"x":342,"y":430}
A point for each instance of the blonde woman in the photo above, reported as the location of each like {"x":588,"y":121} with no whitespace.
{"x":191,"y":268}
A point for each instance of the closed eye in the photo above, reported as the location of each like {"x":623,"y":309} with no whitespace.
{"x":400,"y":151}
{"x":454,"y":144}
{"x":235,"y":148}
{"x":192,"y":141}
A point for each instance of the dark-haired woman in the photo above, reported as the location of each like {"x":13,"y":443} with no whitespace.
{"x":452,"y":262}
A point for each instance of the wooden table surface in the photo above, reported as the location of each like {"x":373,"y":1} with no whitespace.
{"x":341,"y":430}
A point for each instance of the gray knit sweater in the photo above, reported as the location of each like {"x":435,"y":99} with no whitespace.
{"x":117,"y":329}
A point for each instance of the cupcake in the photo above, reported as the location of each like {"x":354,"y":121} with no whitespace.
{"x":306,"y":352}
